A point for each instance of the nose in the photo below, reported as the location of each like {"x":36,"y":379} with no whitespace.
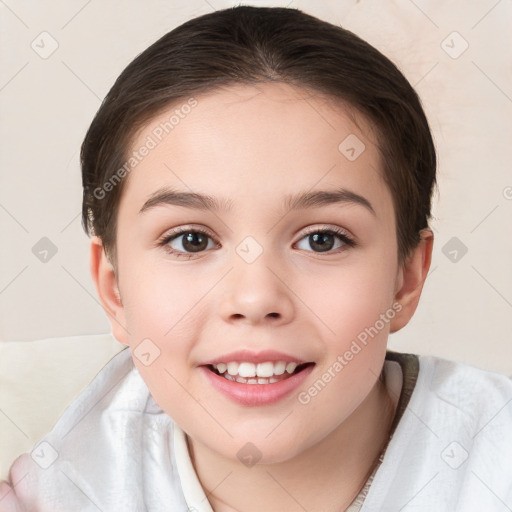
{"x":256,"y":293}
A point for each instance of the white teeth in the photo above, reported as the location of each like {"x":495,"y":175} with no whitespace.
{"x":232,"y":368}
{"x":265,"y":369}
{"x":247,"y":370}
{"x":250,"y":373}
{"x":279,"y":368}
{"x":290,"y":367}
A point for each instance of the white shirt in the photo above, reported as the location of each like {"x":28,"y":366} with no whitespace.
{"x":115,"y":450}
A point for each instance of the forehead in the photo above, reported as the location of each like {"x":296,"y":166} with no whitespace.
{"x":244,"y":141}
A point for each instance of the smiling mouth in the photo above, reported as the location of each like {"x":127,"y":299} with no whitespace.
{"x":261,"y":373}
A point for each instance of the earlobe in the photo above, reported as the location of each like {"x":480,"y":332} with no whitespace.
{"x":411,"y":278}
{"x":107,"y":288}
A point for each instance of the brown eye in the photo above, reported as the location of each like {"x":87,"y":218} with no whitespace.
{"x":188,"y":242}
{"x":325,"y":240}
{"x":321,"y":241}
{"x":194,"y":242}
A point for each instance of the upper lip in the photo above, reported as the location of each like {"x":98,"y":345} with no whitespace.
{"x":249,"y":356}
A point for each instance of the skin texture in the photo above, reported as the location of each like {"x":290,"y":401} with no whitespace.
{"x":253,"y":146}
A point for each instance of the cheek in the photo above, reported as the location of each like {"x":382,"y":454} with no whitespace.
{"x":164,"y":313}
{"x":161,"y":314}
{"x":161,"y":302}
{"x":350,"y":299}
{"x":356,"y":306}
{"x":168,"y":384}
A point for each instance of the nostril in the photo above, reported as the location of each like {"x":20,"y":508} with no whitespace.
{"x":274,"y":315}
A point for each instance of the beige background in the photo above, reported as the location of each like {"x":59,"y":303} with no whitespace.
{"x":46,"y":104}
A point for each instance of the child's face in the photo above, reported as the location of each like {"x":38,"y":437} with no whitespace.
{"x":251,"y":149}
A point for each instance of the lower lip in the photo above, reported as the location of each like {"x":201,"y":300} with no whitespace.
{"x":257,"y":394}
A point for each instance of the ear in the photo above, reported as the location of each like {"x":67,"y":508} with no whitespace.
{"x":105,"y":281}
{"x":410,"y":279}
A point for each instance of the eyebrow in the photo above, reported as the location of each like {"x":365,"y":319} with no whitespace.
{"x":167,"y":196}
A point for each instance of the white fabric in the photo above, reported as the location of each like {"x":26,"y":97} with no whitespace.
{"x":38,"y":380}
{"x":116,"y":450}
{"x":452,"y":450}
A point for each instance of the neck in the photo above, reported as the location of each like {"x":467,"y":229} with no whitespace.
{"x":327,"y":476}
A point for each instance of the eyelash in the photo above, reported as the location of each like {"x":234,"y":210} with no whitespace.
{"x":168,"y":237}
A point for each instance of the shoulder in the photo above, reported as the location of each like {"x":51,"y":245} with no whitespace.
{"x":112,"y":428}
{"x":467,"y":418}
{"x":451,"y":448}
{"x":466,"y":405}
{"x":472,"y":391}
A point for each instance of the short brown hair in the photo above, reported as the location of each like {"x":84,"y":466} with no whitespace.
{"x":254,"y":45}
